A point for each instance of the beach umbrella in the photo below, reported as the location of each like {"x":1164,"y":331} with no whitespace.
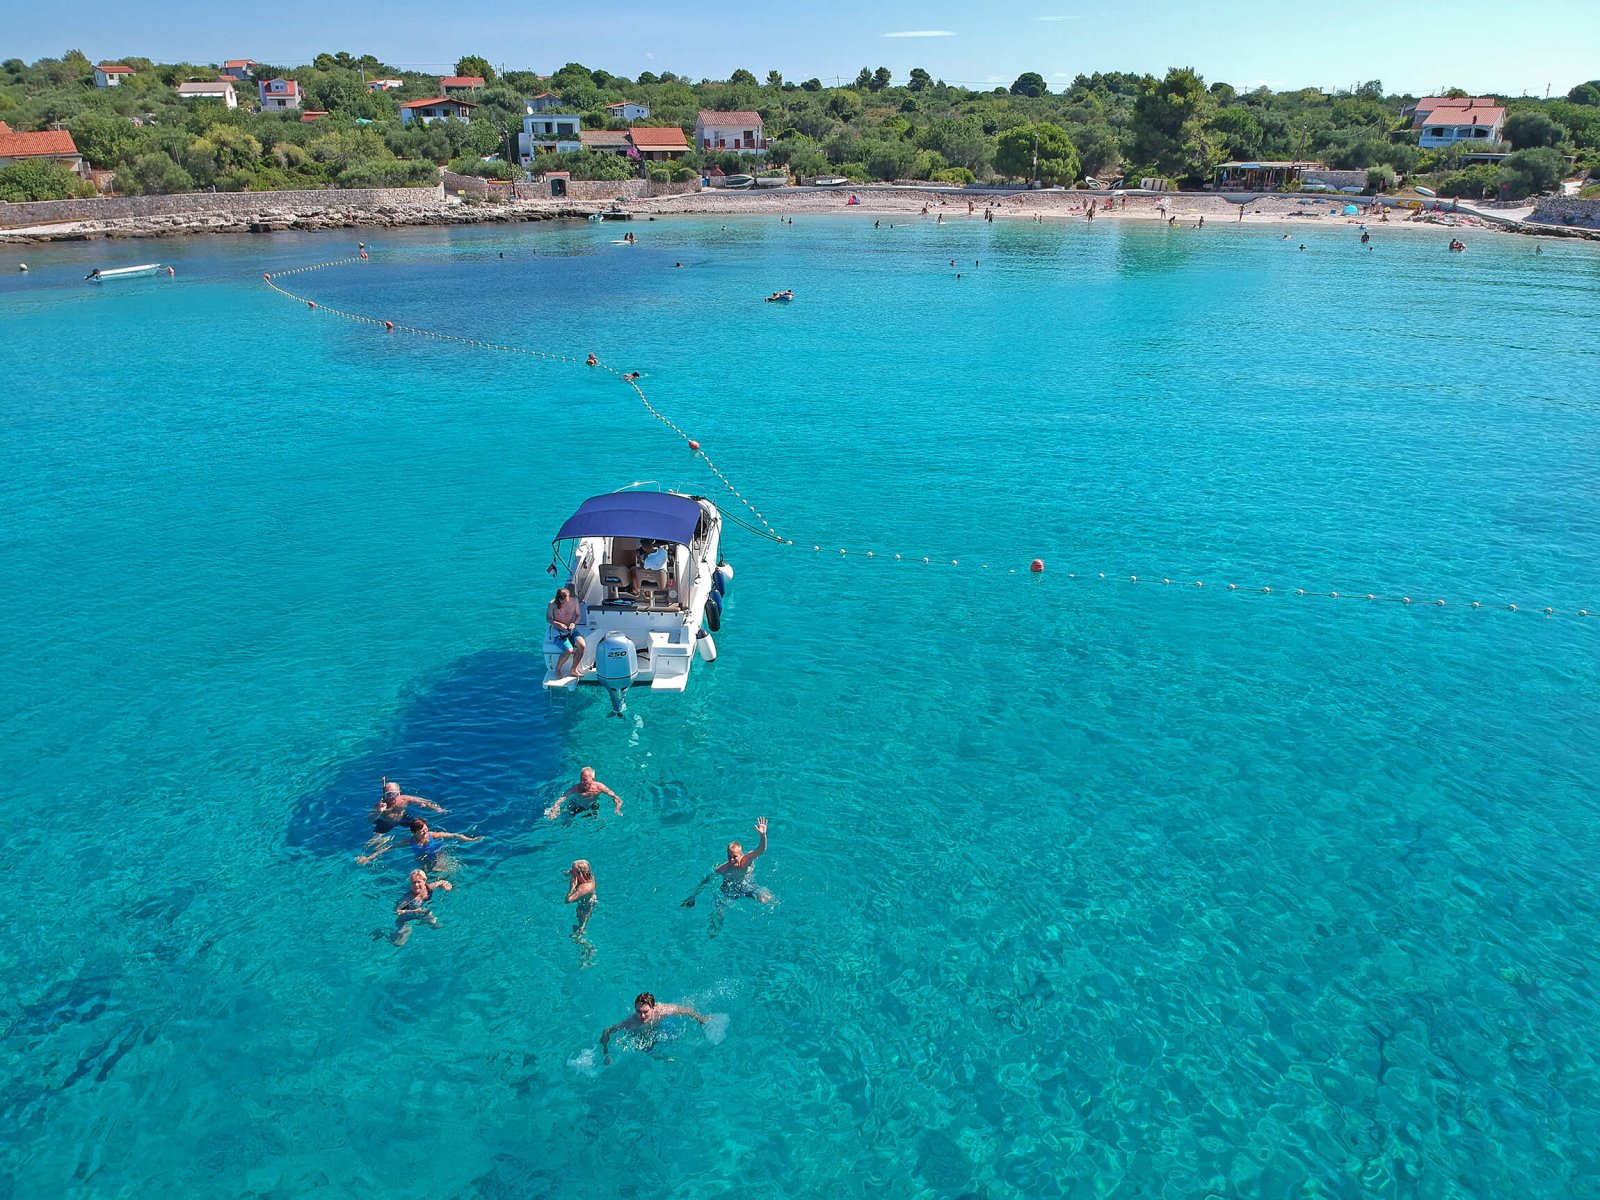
{"x":1350,"y":210}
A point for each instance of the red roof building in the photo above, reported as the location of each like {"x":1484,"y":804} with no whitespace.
{"x":54,"y":144}
{"x":737,"y":131}
{"x":111,"y":74}
{"x":655,"y":144}
{"x":440,"y":108}
{"x":460,"y":83}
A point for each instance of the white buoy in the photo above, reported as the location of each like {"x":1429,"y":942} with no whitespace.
{"x":705,"y":646}
{"x":22,"y":266}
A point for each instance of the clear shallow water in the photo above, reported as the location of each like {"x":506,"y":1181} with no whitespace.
{"x":1084,"y":889}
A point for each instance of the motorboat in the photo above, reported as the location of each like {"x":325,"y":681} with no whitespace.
{"x":830,"y":181}
{"x":645,"y":570}
{"x":739,"y":181}
{"x":772,"y":181}
{"x":103,"y":273}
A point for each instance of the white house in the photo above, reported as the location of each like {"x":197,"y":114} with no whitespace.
{"x":385,"y":85}
{"x":736,"y":131}
{"x":627,"y":110}
{"x":110,"y":74}
{"x":1442,"y":121}
{"x":279,"y":95}
{"x":237,"y":68}
{"x":441,"y":108}
{"x":217,"y":89}
{"x":543,"y":132}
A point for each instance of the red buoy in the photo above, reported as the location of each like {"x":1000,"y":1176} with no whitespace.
{"x":266,"y":277}
{"x":694,"y":445}
{"x":311,"y":303}
{"x":389,"y":325}
{"x":1037,"y":566}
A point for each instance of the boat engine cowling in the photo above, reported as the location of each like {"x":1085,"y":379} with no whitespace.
{"x":616,"y":665}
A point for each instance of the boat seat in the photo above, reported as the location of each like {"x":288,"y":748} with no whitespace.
{"x":613,"y":578}
{"x":646,"y":580}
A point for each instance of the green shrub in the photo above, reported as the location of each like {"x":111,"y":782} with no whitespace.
{"x":660,"y":175}
{"x":382,"y":173}
{"x":683,"y":173}
{"x":1381,"y":178}
{"x":37,"y":180}
{"x":952,"y":175}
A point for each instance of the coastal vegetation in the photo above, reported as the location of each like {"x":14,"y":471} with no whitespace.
{"x":1105,"y":125}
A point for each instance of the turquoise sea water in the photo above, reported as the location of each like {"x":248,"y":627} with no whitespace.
{"x":1084,"y":888}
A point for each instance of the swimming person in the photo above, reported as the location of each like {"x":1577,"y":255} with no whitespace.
{"x":587,"y":791}
{"x":392,"y":804}
{"x":737,"y":874}
{"x":646,"y":1019}
{"x":591,"y":361}
{"x":563,"y":614}
{"x":580,"y":891}
{"x":413,"y":906}
{"x":425,"y":843}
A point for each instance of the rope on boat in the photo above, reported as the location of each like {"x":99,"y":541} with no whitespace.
{"x":630,"y":378}
{"x":768,"y":532}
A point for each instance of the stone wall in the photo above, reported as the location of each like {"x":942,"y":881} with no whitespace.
{"x":242,"y":205}
{"x":467,"y":185}
{"x":1567,"y":210}
{"x":592,"y":190}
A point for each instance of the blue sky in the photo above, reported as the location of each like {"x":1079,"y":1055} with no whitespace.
{"x":1475,"y":44}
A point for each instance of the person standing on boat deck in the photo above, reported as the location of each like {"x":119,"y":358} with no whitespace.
{"x":647,"y":1017}
{"x":588,"y":791}
{"x":392,"y":804}
{"x":563,"y":615}
{"x":425,"y":843}
{"x":413,"y":906}
{"x":737,"y":873}
{"x":581,"y":891}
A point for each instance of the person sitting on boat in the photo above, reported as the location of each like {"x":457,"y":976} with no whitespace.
{"x":653,"y":556}
{"x":563,"y":615}
{"x":425,"y":843}
{"x":392,"y":804}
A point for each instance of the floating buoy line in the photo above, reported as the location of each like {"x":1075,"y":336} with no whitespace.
{"x":764,"y":528}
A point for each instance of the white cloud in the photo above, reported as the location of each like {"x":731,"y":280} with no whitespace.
{"x":922,"y":33}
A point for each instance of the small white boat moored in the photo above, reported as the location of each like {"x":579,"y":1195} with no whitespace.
{"x":644,"y":570}
{"x":102,"y":273}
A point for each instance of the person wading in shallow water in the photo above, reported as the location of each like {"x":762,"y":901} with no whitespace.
{"x":646,"y":1020}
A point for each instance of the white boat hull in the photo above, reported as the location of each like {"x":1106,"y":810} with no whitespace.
{"x":663,"y":628}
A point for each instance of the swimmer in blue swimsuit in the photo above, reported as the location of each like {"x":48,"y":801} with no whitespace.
{"x":646,"y":1020}
{"x":425,"y":843}
{"x":390,"y":813}
{"x":413,"y":906}
{"x":737,"y":874}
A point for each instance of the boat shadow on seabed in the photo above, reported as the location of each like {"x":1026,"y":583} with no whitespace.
{"x":482,"y":740}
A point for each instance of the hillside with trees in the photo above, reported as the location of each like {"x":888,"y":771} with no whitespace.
{"x":1105,"y":126}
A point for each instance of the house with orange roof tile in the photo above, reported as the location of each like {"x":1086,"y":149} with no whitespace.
{"x":279,"y":95}
{"x":237,"y":68}
{"x":111,"y":74}
{"x":1442,"y":121}
{"x":460,"y":85}
{"x":740,"y":132}
{"x":440,"y":108}
{"x":48,"y":145}
{"x":658,"y":145}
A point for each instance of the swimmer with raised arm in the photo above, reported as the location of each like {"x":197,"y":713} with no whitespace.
{"x":586,"y":792}
{"x":647,"y":1017}
{"x":425,"y":843}
{"x":413,"y":906}
{"x":390,"y":812}
{"x":738,"y":872}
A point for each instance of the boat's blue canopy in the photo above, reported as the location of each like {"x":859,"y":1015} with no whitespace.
{"x":658,"y":515}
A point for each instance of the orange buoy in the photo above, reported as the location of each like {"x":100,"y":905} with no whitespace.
{"x":1037,"y":566}
{"x":389,"y":325}
{"x":694,"y":445}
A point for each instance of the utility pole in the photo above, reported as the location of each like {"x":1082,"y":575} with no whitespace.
{"x":1035,"y":156}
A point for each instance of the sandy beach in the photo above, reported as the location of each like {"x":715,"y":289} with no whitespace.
{"x":1181,"y":208}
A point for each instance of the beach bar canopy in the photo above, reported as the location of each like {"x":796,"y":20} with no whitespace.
{"x":660,"y":516}
{"x":1260,"y":176}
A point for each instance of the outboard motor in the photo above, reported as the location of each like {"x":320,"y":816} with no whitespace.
{"x":616,"y":666}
